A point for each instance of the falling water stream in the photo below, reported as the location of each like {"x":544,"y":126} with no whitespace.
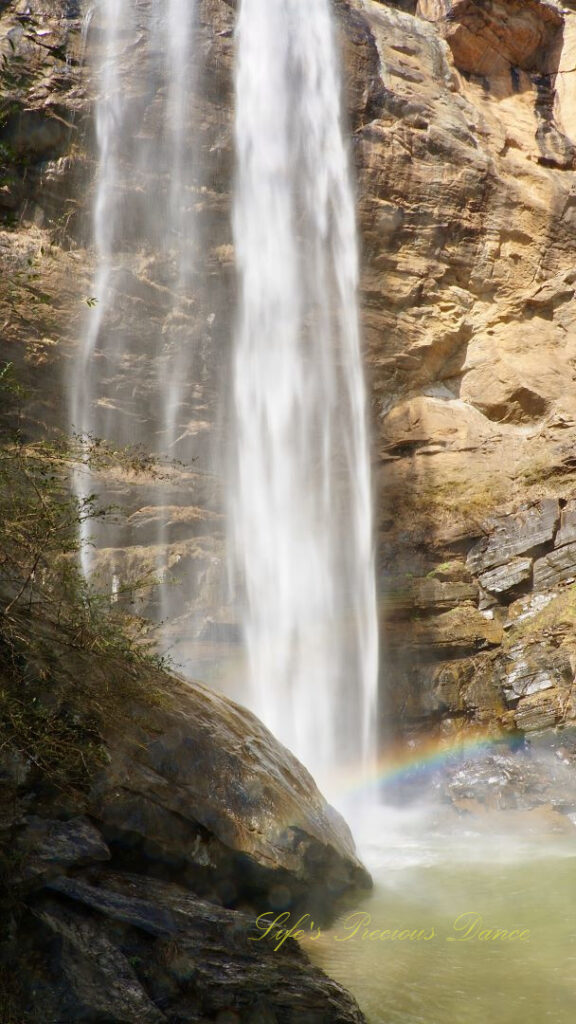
{"x":299,"y":494}
{"x":132,"y":375}
{"x":300,"y":498}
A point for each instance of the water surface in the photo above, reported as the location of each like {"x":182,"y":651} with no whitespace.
{"x":450,"y":883}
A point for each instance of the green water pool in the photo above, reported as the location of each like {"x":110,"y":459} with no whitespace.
{"x":468,"y":922}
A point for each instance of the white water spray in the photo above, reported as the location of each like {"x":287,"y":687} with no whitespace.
{"x":300,"y":502}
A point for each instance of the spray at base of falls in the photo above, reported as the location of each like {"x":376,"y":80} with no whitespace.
{"x":300,"y":503}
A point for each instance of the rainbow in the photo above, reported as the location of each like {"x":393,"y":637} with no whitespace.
{"x":406,"y":761}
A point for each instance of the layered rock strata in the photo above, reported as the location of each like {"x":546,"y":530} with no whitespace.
{"x":466,"y":175}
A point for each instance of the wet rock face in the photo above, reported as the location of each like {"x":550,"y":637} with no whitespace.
{"x":519,"y":782}
{"x":538,"y":775}
{"x":150,"y":951}
{"x":128,"y":948}
{"x":47,"y":184}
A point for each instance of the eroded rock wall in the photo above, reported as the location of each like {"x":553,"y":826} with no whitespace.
{"x":52,"y":55}
{"x":466,"y":179}
{"x":463,"y":135}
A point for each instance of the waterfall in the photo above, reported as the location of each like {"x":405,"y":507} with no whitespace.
{"x":300,"y":505}
{"x":133,"y":374}
{"x":110,"y":113}
{"x":299,"y":494}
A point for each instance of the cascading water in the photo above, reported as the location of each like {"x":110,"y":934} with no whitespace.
{"x":300,"y":513}
{"x":109,"y":121}
{"x":300,"y":517}
{"x":134,"y":374}
{"x":300,"y":495}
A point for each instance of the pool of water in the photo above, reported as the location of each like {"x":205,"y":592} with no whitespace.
{"x":471,"y":920}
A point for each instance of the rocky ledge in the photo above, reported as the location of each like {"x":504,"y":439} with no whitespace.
{"x":493,"y":621}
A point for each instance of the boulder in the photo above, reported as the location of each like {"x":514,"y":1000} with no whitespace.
{"x":189,"y":789}
{"x":199,"y":785}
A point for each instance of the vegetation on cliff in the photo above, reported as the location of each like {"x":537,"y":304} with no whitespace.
{"x":68,"y":656}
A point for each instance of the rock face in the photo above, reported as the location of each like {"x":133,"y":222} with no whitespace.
{"x":207,"y":785}
{"x":515,"y":641}
{"x":151,"y":952}
{"x":525,"y":780}
{"x":466,"y":174}
{"x":493,"y":38}
{"x":129,"y":948}
{"x":463,"y":133}
{"x":47,"y":190}
{"x":135,"y":896}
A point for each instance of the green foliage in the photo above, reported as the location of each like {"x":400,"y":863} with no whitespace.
{"x":68,"y":653}
{"x":63,"y":747}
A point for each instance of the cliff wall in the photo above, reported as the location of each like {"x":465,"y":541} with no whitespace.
{"x":466,"y":176}
{"x":463,"y":135}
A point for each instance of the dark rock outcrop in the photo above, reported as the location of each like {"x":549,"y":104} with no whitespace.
{"x":150,"y":951}
{"x":202,"y":787}
{"x":47,"y":847}
{"x":131,"y":893}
